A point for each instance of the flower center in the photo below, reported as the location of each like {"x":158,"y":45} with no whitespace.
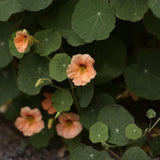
{"x":69,"y":122}
{"x":30,"y":119}
{"x":83,"y":68}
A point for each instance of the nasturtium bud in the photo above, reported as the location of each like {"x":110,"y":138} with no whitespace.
{"x":151,"y":114}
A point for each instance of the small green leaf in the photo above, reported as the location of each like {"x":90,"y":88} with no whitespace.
{"x":117,"y":119}
{"x":135,"y":153}
{"x":98,"y":132}
{"x":152,"y":24}
{"x":35,"y":5}
{"x":131,"y":10}
{"x":64,"y":24}
{"x":50,"y":41}
{"x":42,"y":139}
{"x":58,"y":66}
{"x":151,"y":114}
{"x":93,"y":109}
{"x":155,"y":144}
{"x":132,"y":131}
{"x":82,"y":151}
{"x":147,"y":69}
{"x":31,"y":68}
{"x":5,"y":31}
{"x":93,"y":20}
{"x":9,"y":7}
{"x":8,"y":84}
{"x":155,"y":7}
{"x":85,"y":94}
{"x":62,"y":100}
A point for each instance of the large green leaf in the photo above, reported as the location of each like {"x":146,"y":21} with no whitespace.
{"x":116,"y":118}
{"x":110,"y":56}
{"x":143,"y":77}
{"x":135,"y":153}
{"x":152,"y":24}
{"x":8,"y":84}
{"x":89,"y":115}
{"x":58,"y":66}
{"x":5,"y":31}
{"x":98,"y":132}
{"x":93,"y":20}
{"x":131,"y":10}
{"x":35,"y":5}
{"x":64,"y":24}
{"x":42,"y":139}
{"x":31,"y":68}
{"x":49,"y":41}
{"x":82,"y":151}
{"x":85,"y":94}
{"x":8,"y":7}
{"x":62,"y":100}
{"x":155,"y":7}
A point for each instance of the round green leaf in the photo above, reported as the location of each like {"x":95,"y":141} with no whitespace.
{"x":93,"y":109}
{"x":155,"y":7}
{"x":133,"y":131}
{"x":8,"y":7}
{"x":116,"y":118}
{"x":93,"y":20}
{"x":98,"y":132}
{"x":152,"y":24}
{"x":82,"y":151}
{"x":50,"y":41}
{"x":151,"y":114}
{"x":64,"y":24}
{"x":62,"y":100}
{"x":42,"y":139}
{"x":58,"y":66}
{"x":130,"y":10}
{"x":155,"y":144}
{"x":35,"y":5}
{"x":13,"y":50}
{"x":135,"y":153}
{"x":147,"y":69}
{"x":8,"y":84}
{"x":31,"y":68}
{"x":107,"y":66}
{"x":5,"y":31}
{"x":85,"y":94}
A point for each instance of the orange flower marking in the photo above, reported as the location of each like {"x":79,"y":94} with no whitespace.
{"x":22,"y":40}
{"x":69,"y":126}
{"x":30,"y":121}
{"x":81,"y":69}
{"x":47,"y":103}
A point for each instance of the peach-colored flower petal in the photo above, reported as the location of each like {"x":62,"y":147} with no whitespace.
{"x":81,"y":69}
{"x":71,"y":129}
{"x":21,"y":41}
{"x":30,"y":122}
{"x":47,"y":104}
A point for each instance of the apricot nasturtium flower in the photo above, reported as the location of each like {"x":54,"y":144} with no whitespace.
{"x":81,"y":69}
{"x":30,"y":121}
{"x":69,"y":126}
{"x":22,"y":41}
{"x":47,"y":103}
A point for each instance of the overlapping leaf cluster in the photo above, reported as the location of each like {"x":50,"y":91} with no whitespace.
{"x":123,"y":38}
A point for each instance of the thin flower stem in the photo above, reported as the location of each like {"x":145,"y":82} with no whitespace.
{"x":114,"y":154}
{"x":154,"y":124}
{"x":73,"y":95}
{"x":150,"y":124}
{"x":55,"y":86}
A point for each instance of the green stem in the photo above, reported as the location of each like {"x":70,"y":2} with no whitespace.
{"x":73,"y":95}
{"x":55,"y":86}
{"x":154,"y":124}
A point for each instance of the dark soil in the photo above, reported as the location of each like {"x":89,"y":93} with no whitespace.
{"x":14,"y":146}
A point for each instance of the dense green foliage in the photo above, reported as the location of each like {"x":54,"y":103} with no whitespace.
{"x":122,"y":36}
